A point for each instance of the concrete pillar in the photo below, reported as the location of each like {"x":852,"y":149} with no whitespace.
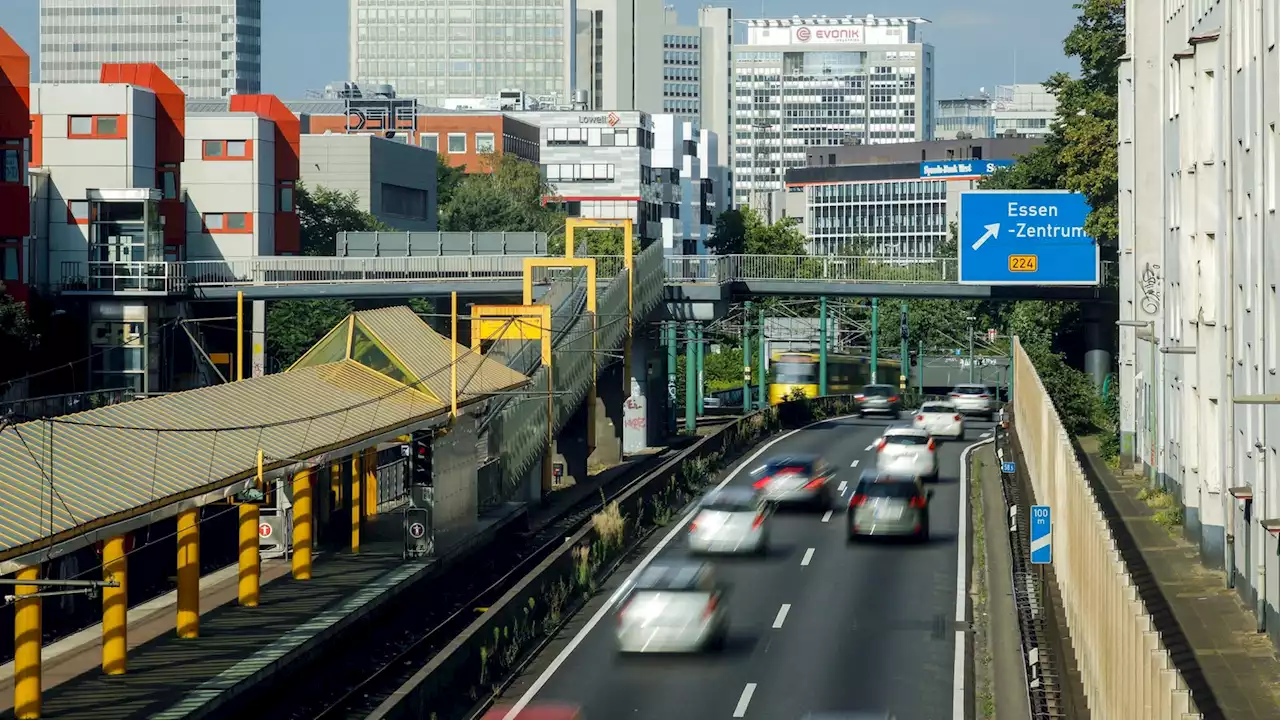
{"x":1097,"y":356}
{"x":189,"y":573}
{"x":250,"y":561}
{"x":370,"y":467}
{"x":570,"y":449}
{"x":115,"y":607}
{"x":635,"y":410}
{"x":302,"y":525}
{"x":259,"y":350}
{"x":356,"y":508}
{"x":608,"y":418}
{"x":27,"y":641}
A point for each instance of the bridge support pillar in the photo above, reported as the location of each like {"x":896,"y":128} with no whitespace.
{"x":370,"y":469}
{"x":635,"y":410}
{"x":608,"y":418}
{"x":569,"y":453}
{"x":27,"y":640}
{"x":302,"y":525}
{"x":115,"y":606}
{"x":1098,"y":345}
{"x":189,"y":573}
{"x":250,"y":562}
{"x":259,"y":349}
{"x":356,"y":508}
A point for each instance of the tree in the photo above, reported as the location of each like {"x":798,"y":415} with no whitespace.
{"x":729,"y":235}
{"x":448,"y":178}
{"x":323,"y":213}
{"x":510,"y":197}
{"x":17,"y":336}
{"x":780,"y":238}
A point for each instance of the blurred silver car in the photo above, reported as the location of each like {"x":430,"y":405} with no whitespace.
{"x":731,"y":520}
{"x":972,"y":399}
{"x":907,"y":451}
{"x":673,"y":607}
{"x":878,"y":399}
{"x":848,"y":716}
{"x":889,"y":505}
{"x":940,"y":420}
{"x":795,"y":480}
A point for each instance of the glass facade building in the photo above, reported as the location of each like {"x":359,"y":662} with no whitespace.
{"x":898,"y":219}
{"x":803,"y":83}
{"x":436,"y":49}
{"x":682,"y":74}
{"x":210,"y":48}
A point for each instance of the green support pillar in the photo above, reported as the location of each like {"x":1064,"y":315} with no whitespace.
{"x":746,"y":358}
{"x":906,"y":354}
{"x":875,"y":340}
{"x":700,"y":352}
{"x":761,"y":398}
{"x":920,"y":367}
{"x":822,"y":348}
{"x":972,"y":368}
{"x":690,"y":382}
{"x":673,"y":366}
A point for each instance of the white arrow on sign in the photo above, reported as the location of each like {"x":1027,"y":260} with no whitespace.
{"x":993,"y":230}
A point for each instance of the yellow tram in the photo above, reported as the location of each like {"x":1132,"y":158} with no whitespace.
{"x":797,"y":372}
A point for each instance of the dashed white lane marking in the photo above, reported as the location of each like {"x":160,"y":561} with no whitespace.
{"x":986,"y":434}
{"x":744,"y":701}
{"x":827,"y":517}
{"x":869,"y":448}
{"x":782,"y":617}
{"x":854,"y":463}
{"x":808,"y":557}
{"x":843,"y":485}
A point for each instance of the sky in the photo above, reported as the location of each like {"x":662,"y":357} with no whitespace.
{"x":979,"y":43}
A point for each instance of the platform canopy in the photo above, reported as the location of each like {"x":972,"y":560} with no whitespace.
{"x":376,"y":372}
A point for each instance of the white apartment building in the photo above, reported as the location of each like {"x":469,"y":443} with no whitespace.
{"x":1199,"y":262}
{"x":802,"y":82}
{"x":697,"y":72}
{"x":229,"y":176}
{"x":211,"y":48}
{"x":618,"y":53}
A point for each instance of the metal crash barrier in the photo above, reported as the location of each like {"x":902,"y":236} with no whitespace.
{"x":1125,"y":667}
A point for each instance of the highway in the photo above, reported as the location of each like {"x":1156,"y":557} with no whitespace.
{"x":817,"y":626}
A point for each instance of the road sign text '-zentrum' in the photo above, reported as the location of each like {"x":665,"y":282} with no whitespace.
{"x":1026,"y":237}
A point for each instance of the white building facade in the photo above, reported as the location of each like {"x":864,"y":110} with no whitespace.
{"x":697,"y":72}
{"x":802,"y":82}
{"x":694,"y":185}
{"x":1200,"y":258}
{"x":211,"y":48}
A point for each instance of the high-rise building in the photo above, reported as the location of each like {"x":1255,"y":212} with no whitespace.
{"x":434,"y":49}
{"x":1025,"y":110}
{"x":802,"y":82}
{"x":211,"y":48}
{"x":697,"y":72}
{"x":619,"y":54}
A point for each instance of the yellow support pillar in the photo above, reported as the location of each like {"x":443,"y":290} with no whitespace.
{"x":370,"y":468}
{"x":335,"y":489}
{"x":356,"y":479}
{"x":189,"y":573}
{"x":115,"y":607}
{"x":302,"y":525}
{"x":250,"y":559}
{"x":27,"y":638}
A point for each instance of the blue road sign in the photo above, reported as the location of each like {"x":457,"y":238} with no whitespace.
{"x":960,"y":169}
{"x":1026,"y":237}
{"x":1041,"y":535}
{"x":1008,"y":467}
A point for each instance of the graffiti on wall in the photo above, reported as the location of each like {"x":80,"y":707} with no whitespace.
{"x":1150,"y":285}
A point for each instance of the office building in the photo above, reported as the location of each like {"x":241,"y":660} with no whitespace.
{"x":15,"y":152}
{"x":618,"y":54}
{"x":889,"y":201}
{"x":436,"y":50}
{"x":697,"y":72}
{"x":1199,"y":258}
{"x":694,"y":186}
{"x":802,"y":82}
{"x":395,"y":182}
{"x":210,"y":48}
{"x":1025,"y":110}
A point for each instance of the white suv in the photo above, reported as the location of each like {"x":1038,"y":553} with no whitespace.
{"x":972,"y":399}
{"x":908,"y":451}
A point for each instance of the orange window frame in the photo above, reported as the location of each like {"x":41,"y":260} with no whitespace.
{"x":71,"y":217}
{"x":224,"y":230}
{"x":122,"y":127}
{"x":223,"y":146}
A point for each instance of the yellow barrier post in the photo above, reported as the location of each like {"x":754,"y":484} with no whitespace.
{"x":302,"y":525}
{"x":371,"y":482}
{"x":356,"y":508}
{"x":115,"y":607}
{"x":189,"y":573}
{"x":453,"y":349}
{"x":335,"y":490}
{"x":239,"y":336}
{"x":250,"y":559}
{"x":27,"y":639}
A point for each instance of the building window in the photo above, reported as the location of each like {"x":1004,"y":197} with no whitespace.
{"x":216,"y":223}
{"x":457,"y":143}
{"x":226,"y":150}
{"x":167,"y":184}
{"x":109,"y":127}
{"x":78,"y":212}
{"x":286,"y":197}
{"x":403,"y":202}
{"x":11,"y":164}
{"x":430,"y":141}
{"x":10,"y":264}
{"x":596,"y":172}
{"x":484,"y":143}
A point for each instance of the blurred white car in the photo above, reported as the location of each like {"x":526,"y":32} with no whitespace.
{"x":908,"y":451}
{"x":731,"y":520}
{"x":673,"y":607}
{"x":940,"y":420}
{"x":972,"y":399}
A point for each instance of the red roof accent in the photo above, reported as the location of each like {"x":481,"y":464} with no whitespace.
{"x":15,"y":89}
{"x":288,"y":130}
{"x":171,"y":104}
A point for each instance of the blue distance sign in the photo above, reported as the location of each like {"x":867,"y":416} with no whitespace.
{"x":960,"y":169}
{"x":1041,"y":535}
{"x":1026,"y":237}
{"x":1008,"y":467}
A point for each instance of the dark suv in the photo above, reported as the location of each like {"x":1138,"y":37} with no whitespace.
{"x":879,"y":400}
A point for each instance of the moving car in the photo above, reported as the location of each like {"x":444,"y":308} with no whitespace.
{"x":972,"y":399}
{"x":940,"y":420}
{"x":885,"y":504}
{"x":878,"y":400}
{"x":731,"y":520}
{"x":673,"y":607}
{"x":795,"y":480}
{"x":908,"y":451}
{"x":538,"y":711}
{"x":848,"y":716}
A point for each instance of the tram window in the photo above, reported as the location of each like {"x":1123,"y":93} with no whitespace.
{"x":795,"y":373}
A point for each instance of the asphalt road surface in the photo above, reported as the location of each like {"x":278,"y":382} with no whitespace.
{"x":817,"y":626}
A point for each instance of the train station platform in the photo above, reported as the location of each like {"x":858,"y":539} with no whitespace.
{"x":172,"y":677}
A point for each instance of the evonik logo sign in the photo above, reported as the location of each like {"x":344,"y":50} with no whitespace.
{"x":839,"y":34}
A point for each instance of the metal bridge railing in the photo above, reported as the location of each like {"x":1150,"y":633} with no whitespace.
{"x":711,"y":269}
{"x":298,"y":270}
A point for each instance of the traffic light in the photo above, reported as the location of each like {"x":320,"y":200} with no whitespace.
{"x":420,"y":457}
{"x":904,"y":328}
{"x":915,"y":358}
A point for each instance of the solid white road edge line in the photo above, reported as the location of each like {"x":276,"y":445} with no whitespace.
{"x":958,"y":704}
{"x":744,"y":701}
{"x":808,"y":557}
{"x":596,"y":619}
{"x":782,"y":616}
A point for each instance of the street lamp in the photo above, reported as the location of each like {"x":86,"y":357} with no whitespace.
{"x":1153,"y":418}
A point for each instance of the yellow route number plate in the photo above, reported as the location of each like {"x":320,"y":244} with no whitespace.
{"x":1023,"y":263}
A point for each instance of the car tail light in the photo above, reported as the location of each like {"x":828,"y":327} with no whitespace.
{"x":955,"y":395}
{"x":622,"y":611}
{"x":815,"y":483}
{"x":958,"y":418}
{"x":984,"y":396}
{"x":755,"y":524}
{"x":880,"y":445}
{"x":932,"y":445}
{"x":759,"y":484}
{"x":693,"y":526}
{"x":859,"y":396}
{"x":858,"y":500}
{"x":711,"y":607}
{"x":919,"y":418}
{"x":917,"y":502}
{"x":893,"y":398}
